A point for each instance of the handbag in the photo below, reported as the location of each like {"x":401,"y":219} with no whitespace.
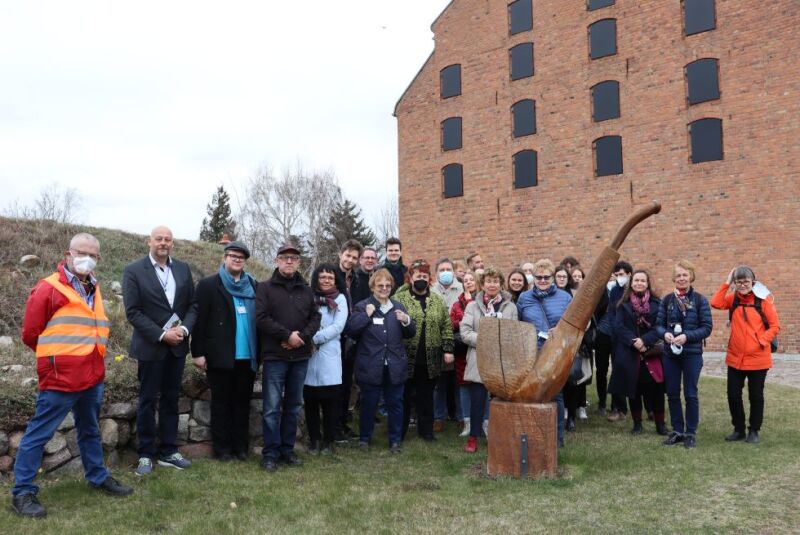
{"x":655,"y":351}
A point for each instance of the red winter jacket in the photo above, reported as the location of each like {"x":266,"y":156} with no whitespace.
{"x":66,"y":373}
{"x":748,"y":347}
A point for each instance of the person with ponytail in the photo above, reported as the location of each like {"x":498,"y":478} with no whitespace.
{"x":638,"y":371}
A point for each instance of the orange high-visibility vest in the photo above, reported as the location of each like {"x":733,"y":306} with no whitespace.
{"x":75,"y":329}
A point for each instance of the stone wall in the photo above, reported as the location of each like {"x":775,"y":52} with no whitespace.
{"x":118,"y":433}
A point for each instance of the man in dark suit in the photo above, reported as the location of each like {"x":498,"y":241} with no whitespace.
{"x":158,"y":292}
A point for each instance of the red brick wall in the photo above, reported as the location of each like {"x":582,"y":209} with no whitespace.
{"x":711,"y":211}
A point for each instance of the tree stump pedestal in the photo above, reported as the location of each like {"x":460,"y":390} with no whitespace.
{"x":522,"y":439}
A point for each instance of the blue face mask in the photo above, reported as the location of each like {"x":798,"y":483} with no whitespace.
{"x":446,"y":278}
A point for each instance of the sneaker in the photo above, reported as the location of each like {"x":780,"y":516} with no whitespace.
{"x":395,"y":448}
{"x":570,"y":424}
{"x":145,"y":467}
{"x":615,"y":416}
{"x":176,"y":460}
{"x":582,"y":413}
{"x":363,"y":446}
{"x":269,"y":465}
{"x":465,"y":431}
{"x":291,"y":460}
{"x":637,"y":428}
{"x":689,"y":442}
{"x":736,"y":435}
{"x":472,"y":445}
{"x":752,"y":437}
{"x":673,"y":438}
{"x":28,"y":505}
{"x":486,"y":428}
{"x":112,"y":487}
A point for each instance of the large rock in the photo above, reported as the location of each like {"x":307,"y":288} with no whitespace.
{"x":74,"y":466}
{"x":72,"y":441}
{"x":109,"y":433}
{"x":13,"y":442}
{"x":119,"y":410}
{"x":201,"y":412}
{"x":12,"y":368}
{"x":184,"y":405}
{"x":199,"y":433}
{"x":257,"y":390}
{"x":196,"y":450}
{"x":29,"y":261}
{"x":57,"y":443}
{"x":6,"y":464}
{"x":30,"y":381}
{"x":67,"y":423}
{"x":123,"y":432}
{"x":3,"y":442}
{"x":60,"y":458}
{"x":116,"y":287}
{"x":256,"y":421}
{"x":6,"y":341}
{"x":183,"y":428}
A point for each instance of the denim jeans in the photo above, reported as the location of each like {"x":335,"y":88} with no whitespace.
{"x":463,"y":402}
{"x":393,"y":395}
{"x":51,"y":408}
{"x":478,"y":398}
{"x":283,"y":398}
{"x":560,"y":422}
{"x":687,"y":368}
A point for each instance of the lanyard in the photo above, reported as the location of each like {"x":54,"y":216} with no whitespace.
{"x":165,"y":282}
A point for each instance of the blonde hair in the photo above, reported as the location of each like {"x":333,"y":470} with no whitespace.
{"x":684,"y":264}
{"x":379,"y":275}
{"x":545,"y":264}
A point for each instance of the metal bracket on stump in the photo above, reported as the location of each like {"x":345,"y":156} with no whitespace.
{"x":523,"y":455}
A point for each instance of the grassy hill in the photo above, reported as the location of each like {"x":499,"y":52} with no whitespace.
{"x":48,"y":240}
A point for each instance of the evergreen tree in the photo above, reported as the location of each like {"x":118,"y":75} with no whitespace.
{"x":219,"y":220}
{"x":345,"y":223}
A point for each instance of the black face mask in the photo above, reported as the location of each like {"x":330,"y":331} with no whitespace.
{"x":420,"y":285}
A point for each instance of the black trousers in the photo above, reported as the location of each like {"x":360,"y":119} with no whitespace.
{"x":755,"y":391}
{"x":159,"y":388}
{"x":419,"y":389}
{"x":231,"y":391}
{"x":328,"y":400}
{"x":574,"y":397}
{"x":602,"y":361}
{"x":651,"y":392}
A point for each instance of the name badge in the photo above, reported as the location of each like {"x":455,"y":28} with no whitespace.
{"x":377,"y":321}
{"x":241,"y":310}
{"x":499,"y":315}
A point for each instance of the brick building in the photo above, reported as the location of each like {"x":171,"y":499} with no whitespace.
{"x":534,"y":127}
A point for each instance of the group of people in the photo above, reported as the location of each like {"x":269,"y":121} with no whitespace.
{"x":406,"y":335}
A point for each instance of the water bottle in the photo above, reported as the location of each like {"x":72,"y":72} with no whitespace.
{"x":676,"y":349}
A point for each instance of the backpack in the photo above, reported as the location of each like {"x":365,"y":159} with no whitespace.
{"x":773,"y":345}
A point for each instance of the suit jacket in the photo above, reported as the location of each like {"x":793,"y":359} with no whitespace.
{"x":214,"y":335}
{"x":147,"y":308}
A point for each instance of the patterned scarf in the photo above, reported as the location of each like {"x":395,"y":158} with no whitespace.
{"x":683,"y":301}
{"x":641,"y":306}
{"x":492,"y":304}
{"x":327,"y":298}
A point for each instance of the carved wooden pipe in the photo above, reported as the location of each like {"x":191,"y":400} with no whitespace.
{"x":521,"y":380}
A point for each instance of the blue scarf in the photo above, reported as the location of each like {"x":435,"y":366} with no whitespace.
{"x":243,"y":289}
{"x":541,"y":294}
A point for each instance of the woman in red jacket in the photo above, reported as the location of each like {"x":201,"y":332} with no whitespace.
{"x":754,"y":324}
{"x":471,"y":288}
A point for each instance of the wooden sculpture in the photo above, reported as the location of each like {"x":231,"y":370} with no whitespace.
{"x":522,"y":423}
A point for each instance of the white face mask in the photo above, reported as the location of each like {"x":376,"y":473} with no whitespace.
{"x":622,"y":280}
{"x":529,"y":278}
{"x":83,"y":265}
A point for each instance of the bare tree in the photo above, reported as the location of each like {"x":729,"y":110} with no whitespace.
{"x":55,"y":203}
{"x":294,"y":204}
{"x":388,"y":223}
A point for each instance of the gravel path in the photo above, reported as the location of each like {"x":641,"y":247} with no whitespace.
{"x":785,"y":368}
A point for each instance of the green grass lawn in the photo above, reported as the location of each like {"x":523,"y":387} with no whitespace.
{"x":611,"y":482}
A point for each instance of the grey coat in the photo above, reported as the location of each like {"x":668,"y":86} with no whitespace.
{"x":469,"y":330}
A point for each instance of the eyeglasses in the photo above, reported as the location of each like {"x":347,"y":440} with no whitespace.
{"x":746,"y":282}
{"x":384,"y":286}
{"x":94,"y":257}
{"x":236,"y":257}
{"x":542,"y":277}
{"x":289,"y":257}
{"x":561,"y":276}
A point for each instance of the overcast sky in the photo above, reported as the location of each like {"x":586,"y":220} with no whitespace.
{"x":146,"y":107}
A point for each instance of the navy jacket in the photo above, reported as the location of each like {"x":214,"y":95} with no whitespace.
{"x":625,"y":371}
{"x":379,"y":343}
{"x":696,"y":325}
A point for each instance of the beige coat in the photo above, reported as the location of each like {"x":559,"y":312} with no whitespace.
{"x":469,"y":330}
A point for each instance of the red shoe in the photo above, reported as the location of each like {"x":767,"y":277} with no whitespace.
{"x":472,"y":445}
